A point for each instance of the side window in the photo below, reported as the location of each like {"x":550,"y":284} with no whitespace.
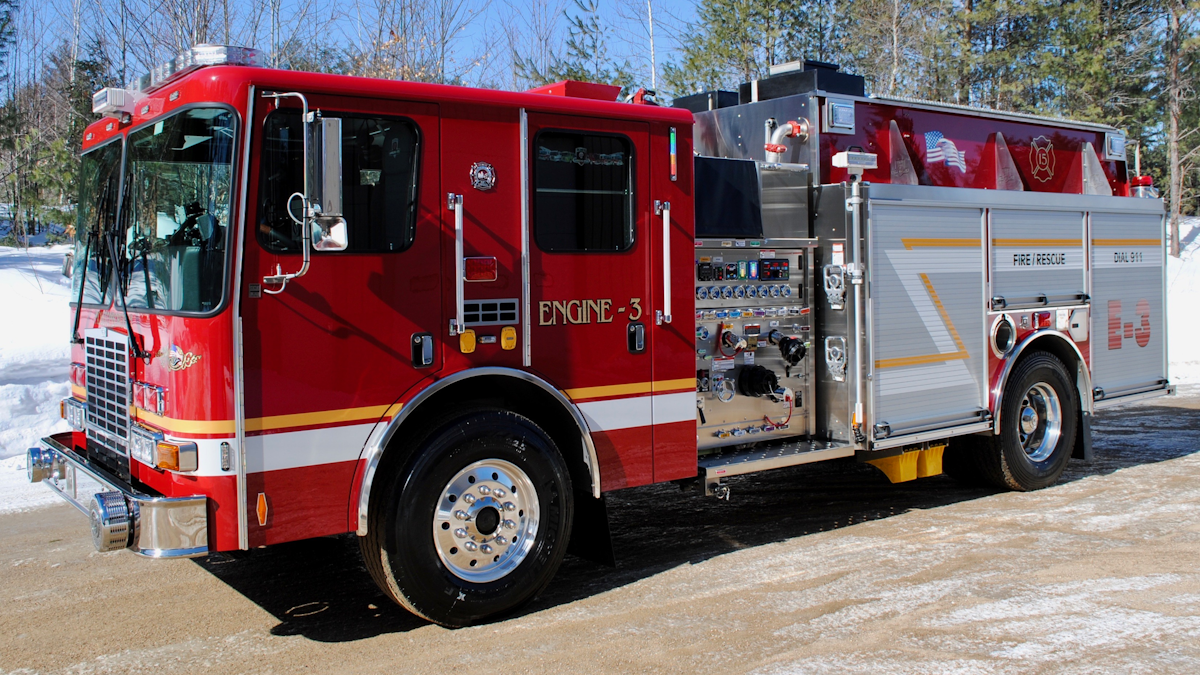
{"x":379,"y":182}
{"x":582,"y":191}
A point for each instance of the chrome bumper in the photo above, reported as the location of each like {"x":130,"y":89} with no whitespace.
{"x":155,"y":527}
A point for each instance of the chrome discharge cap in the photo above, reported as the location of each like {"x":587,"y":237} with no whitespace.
{"x":111,"y":521}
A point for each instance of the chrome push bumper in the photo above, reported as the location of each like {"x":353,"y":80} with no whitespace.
{"x":155,"y":527}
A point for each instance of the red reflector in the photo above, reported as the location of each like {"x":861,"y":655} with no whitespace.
{"x":479,"y":269}
{"x":1042,"y":320}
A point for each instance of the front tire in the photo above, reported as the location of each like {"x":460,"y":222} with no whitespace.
{"x":476,"y":523}
{"x":1038,"y":419}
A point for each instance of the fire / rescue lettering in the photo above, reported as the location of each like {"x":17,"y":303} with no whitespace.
{"x":1038,"y":259}
{"x":1118,"y":332}
{"x":554,"y":312}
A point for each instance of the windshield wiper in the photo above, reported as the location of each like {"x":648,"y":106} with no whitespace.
{"x":134,"y":342}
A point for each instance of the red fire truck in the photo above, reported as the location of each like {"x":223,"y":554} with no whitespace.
{"x":450,"y":320}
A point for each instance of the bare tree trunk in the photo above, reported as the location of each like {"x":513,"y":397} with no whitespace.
{"x":895,"y":47}
{"x":1174,"y":111}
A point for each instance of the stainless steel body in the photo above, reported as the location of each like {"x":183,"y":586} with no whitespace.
{"x":152,"y":526}
{"x":936,"y":261}
{"x":751,"y":309}
{"x":738,"y":131}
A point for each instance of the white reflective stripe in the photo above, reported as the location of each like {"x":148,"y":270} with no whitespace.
{"x":670,"y":408}
{"x":295,"y":449}
{"x":639,"y":411}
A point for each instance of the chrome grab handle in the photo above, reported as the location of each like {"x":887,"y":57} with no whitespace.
{"x":455,"y":203}
{"x":664,"y":209}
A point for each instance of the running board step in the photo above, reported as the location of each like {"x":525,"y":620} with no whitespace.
{"x":763,"y":457}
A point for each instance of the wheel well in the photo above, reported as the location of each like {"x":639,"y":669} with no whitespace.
{"x":495,"y":391}
{"x":1057,"y":345}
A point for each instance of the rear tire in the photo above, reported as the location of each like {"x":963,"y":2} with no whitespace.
{"x":1038,"y":418}
{"x":451,"y":540}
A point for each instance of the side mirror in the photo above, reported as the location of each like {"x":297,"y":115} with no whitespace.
{"x":329,"y":226}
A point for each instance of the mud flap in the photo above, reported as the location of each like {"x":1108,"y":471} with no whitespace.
{"x":1083,"y":438}
{"x":590,"y":537}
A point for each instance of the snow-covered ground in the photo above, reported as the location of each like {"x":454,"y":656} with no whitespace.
{"x":34,"y":358}
{"x":35,"y":350}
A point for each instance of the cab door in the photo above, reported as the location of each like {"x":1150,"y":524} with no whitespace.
{"x":481,"y":177}
{"x":325,"y":356}
{"x":591,"y":306}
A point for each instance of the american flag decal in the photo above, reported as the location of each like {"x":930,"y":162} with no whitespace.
{"x":938,"y":148}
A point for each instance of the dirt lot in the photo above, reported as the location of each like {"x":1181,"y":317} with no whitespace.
{"x":816,"y":569}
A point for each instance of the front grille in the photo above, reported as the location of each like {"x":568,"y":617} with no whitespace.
{"x":108,"y":401}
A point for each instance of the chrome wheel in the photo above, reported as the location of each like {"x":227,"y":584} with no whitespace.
{"x":486,"y":521}
{"x":1040,"y":421}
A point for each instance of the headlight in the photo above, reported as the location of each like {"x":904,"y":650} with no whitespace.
{"x":142,"y":442}
{"x":74,"y":412}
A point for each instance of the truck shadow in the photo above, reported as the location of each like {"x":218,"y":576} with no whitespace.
{"x":319,"y":588}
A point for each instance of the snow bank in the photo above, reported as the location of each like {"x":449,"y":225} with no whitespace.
{"x":1183,"y":306}
{"x":34,"y":346}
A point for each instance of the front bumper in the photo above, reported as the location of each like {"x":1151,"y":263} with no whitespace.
{"x":155,"y":527}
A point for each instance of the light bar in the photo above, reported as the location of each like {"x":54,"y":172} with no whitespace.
{"x":197,"y":57}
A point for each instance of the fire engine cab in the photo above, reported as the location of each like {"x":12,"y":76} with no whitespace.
{"x":450,"y":320}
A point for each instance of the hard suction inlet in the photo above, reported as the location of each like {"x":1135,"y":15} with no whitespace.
{"x":792,"y":350}
{"x":756,"y":381}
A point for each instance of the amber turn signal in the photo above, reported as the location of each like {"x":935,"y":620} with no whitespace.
{"x":175,"y":456}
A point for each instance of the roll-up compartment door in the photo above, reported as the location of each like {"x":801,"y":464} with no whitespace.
{"x":927,"y":317}
{"x":1128,"y":315}
{"x":1037,"y":257}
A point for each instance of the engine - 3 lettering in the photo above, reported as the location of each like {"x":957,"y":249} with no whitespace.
{"x":554,"y":312}
{"x":1038,"y":259}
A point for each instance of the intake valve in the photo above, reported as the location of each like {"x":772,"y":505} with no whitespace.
{"x":731,"y":340}
{"x":757,"y":381}
{"x":792,"y":350}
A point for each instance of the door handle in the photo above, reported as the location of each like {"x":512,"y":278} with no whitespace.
{"x":455,"y":203}
{"x":664,"y":209}
{"x":422,"y":350}
{"x":635,"y":337}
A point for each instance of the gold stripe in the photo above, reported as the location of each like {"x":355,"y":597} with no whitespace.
{"x":668,"y":385}
{"x":920,"y":360}
{"x":370,"y":413}
{"x":961,"y":354}
{"x":631,"y":388}
{"x":185,"y":426}
{"x":1126,"y":242}
{"x":940,"y":243}
{"x":1037,"y":242}
{"x":364,"y":414}
{"x":78,"y":392}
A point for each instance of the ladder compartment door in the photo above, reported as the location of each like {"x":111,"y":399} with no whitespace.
{"x":927,"y":329}
{"x":1128,"y":309}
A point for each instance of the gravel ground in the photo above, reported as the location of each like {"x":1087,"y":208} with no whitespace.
{"x":817,"y":569}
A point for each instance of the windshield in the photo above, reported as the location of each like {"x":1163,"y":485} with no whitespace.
{"x":99,"y":181}
{"x":176,"y":211}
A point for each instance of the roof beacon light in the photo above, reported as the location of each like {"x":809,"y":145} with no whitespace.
{"x":114,"y":102}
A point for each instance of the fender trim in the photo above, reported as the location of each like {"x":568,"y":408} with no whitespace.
{"x":1083,"y":378}
{"x":382,"y":435}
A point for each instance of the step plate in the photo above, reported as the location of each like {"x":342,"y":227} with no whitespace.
{"x":759,"y":458}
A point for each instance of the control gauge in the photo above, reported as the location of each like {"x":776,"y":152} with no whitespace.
{"x":739,"y":292}
{"x":763,"y":292}
{"x":774,"y":291}
{"x":701,"y":293}
{"x":786,"y":291}
{"x":714,"y":292}
{"x":727,"y":292}
{"x":750,"y":292}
